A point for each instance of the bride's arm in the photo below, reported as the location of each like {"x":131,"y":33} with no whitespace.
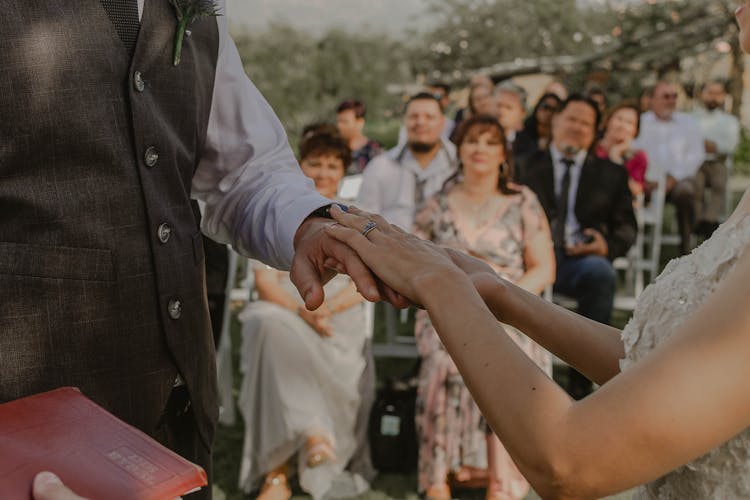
{"x":687,"y":397}
{"x":590,"y":347}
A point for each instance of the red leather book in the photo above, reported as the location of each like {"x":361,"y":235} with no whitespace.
{"x":94,"y":453}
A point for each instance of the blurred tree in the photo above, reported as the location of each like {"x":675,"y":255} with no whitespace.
{"x":472,"y":34}
{"x":630,"y":41}
{"x":658,"y":37}
{"x":623,"y":42}
{"x":304,"y":77}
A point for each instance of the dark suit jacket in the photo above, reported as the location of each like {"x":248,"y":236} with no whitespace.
{"x":101,"y":262}
{"x":603,"y":201}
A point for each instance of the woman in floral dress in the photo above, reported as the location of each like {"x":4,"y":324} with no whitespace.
{"x":482,"y":213}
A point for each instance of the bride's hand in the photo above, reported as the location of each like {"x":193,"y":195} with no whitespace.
{"x":485,"y":280}
{"x":468,"y":264}
{"x":403,"y":261}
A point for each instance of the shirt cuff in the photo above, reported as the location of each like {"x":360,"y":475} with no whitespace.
{"x":291,"y":219}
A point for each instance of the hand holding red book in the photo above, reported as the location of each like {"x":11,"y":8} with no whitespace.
{"x":95,"y":454}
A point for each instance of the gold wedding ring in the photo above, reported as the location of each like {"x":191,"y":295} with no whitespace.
{"x":371,"y":224}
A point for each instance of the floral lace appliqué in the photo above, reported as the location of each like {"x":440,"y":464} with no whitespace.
{"x":724,"y":472}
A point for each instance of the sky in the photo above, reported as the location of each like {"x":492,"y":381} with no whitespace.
{"x":391,"y":16}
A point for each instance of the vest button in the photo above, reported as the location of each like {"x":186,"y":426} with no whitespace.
{"x":151,"y":156}
{"x":138,"y":82}
{"x":164,"y":231}
{"x":174,"y":308}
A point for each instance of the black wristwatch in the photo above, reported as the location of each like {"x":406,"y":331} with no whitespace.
{"x":325,"y":210}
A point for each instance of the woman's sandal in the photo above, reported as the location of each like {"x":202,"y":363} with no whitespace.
{"x":275,"y":487}
{"x":438,"y":492}
{"x":318,"y":451}
{"x":495,"y":491}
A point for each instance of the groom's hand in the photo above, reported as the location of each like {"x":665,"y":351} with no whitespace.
{"x":318,"y":256}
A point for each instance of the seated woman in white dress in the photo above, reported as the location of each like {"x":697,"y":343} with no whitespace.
{"x":300,"y":395}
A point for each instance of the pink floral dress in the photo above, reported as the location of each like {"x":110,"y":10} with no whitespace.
{"x":451,"y":428}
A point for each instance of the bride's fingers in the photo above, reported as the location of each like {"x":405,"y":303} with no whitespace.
{"x":383,"y":225}
{"x":358,"y":219}
{"x":379,"y":219}
{"x":352,"y":218}
{"x":370,"y":254}
{"x":353,"y":238}
{"x":398,"y":229}
{"x":353,"y":209}
{"x":396,"y":299}
{"x":371,"y":227}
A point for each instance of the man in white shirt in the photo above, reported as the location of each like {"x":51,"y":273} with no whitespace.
{"x":673,"y":142}
{"x":396,"y":183}
{"x":721,"y":133}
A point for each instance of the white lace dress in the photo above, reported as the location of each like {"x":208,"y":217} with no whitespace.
{"x":724,"y":472}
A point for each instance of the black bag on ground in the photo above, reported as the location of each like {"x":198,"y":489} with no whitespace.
{"x":393,"y":435}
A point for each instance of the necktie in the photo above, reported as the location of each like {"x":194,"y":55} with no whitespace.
{"x":419,"y":191}
{"x":124,"y":15}
{"x":562,"y":204}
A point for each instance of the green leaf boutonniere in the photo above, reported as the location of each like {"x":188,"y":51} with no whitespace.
{"x":189,"y":11}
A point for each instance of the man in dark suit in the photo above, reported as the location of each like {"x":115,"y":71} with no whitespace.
{"x":590,"y":210}
{"x":102,"y":282}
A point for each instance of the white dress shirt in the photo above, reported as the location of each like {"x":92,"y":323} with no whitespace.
{"x":254,"y":192}
{"x":673,"y":146}
{"x":719,"y":127}
{"x":389,"y":183}
{"x":572,"y":226}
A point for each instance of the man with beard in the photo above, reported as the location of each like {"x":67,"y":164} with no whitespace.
{"x":721,"y":134}
{"x":397,"y":182}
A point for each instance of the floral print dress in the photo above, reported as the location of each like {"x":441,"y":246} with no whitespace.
{"x":451,"y":428}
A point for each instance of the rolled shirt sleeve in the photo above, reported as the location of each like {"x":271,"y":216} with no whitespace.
{"x":254,"y":192}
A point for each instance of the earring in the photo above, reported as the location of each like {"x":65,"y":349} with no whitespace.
{"x":504,"y":169}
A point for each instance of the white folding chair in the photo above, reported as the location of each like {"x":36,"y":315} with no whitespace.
{"x":395,"y":345}
{"x":650,"y":221}
{"x":349,"y":187}
{"x":224,"y":367}
{"x":728,"y":198}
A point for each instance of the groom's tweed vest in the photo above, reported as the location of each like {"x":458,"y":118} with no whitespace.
{"x":97,"y":237}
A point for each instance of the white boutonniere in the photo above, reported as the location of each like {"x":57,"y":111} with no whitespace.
{"x":189,"y":11}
